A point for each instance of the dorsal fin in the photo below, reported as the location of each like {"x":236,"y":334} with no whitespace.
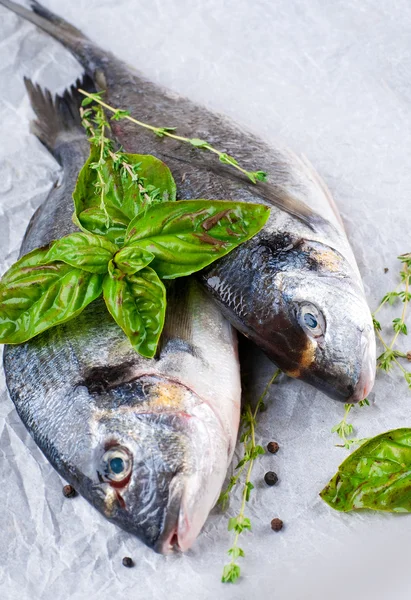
{"x":281,"y":199}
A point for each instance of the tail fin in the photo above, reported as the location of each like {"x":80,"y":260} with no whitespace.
{"x":58,"y":118}
{"x":83,"y":49}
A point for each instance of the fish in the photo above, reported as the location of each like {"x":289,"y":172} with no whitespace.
{"x":146,"y":441}
{"x":294,"y":289}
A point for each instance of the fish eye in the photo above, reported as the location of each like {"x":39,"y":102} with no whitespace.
{"x":312,"y":320}
{"x":116,"y":464}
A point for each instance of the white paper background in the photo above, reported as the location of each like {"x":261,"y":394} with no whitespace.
{"x":332,"y":80}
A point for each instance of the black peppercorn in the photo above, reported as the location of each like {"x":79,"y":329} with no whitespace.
{"x":69,"y":491}
{"x":273,"y":447}
{"x":276,"y":524}
{"x":128,"y":562}
{"x":271,"y":478}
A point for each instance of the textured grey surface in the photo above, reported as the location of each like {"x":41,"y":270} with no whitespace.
{"x":331,"y":80}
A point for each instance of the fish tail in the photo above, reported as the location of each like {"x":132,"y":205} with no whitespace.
{"x":84,"y":50}
{"x":58,"y":117}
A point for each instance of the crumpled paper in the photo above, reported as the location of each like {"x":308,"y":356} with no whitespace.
{"x":330,"y":79}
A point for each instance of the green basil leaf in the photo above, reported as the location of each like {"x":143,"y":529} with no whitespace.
{"x":95,"y":220}
{"x":158,"y":183}
{"x":38,"y":297}
{"x":126,"y":193}
{"x":88,"y":252}
{"x":188,"y":235}
{"x":32,"y":259}
{"x":376,"y":476}
{"x":137,"y":303}
{"x":130,"y":260}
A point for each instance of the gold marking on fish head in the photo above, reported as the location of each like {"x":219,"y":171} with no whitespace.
{"x":167,"y":397}
{"x":327,"y":259}
{"x":306,"y":360}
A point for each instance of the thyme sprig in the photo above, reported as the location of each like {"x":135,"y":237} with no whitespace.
{"x":96,"y":130}
{"x":119,"y":114}
{"x":240,"y":522}
{"x":391,"y":355}
{"x":344,"y":429}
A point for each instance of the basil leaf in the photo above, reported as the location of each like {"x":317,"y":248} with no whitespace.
{"x":158,"y":182}
{"x":33,"y":258}
{"x":130,"y":260}
{"x":95,"y":220}
{"x":88,"y":252}
{"x":376,"y":476}
{"x":145,"y":181}
{"x":137,"y":303}
{"x":38,"y":297}
{"x":188,"y":235}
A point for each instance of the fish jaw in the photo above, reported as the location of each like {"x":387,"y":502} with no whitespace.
{"x":194,"y":493}
{"x":368,"y":367}
{"x":344,"y":382}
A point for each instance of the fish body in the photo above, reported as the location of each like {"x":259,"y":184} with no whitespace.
{"x":295,"y":288}
{"x":147,"y":442}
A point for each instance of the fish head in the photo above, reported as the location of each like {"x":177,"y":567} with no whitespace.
{"x":320,"y":328}
{"x":159,"y":460}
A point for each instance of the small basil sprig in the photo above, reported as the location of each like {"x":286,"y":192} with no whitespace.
{"x":53,"y":284}
{"x":134,"y":234}
{"x":376,"y":476}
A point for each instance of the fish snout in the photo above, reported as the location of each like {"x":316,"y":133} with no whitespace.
{"x":179,"y":530}
{"x":168,"y":540}
{"x":195,"y":489}
{"x":366,"y":377}
{"x":187,"y":510}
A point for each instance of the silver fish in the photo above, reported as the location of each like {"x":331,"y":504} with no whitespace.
{"x":146,"y":442}
{"x":295,"y":288}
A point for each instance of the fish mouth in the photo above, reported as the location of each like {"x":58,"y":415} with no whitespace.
{"x":179,"y":531}
{"x":169,"y":540}
{"x":368,"y":367}
{"x":349,"y":383}
{"x":193,"y":493}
